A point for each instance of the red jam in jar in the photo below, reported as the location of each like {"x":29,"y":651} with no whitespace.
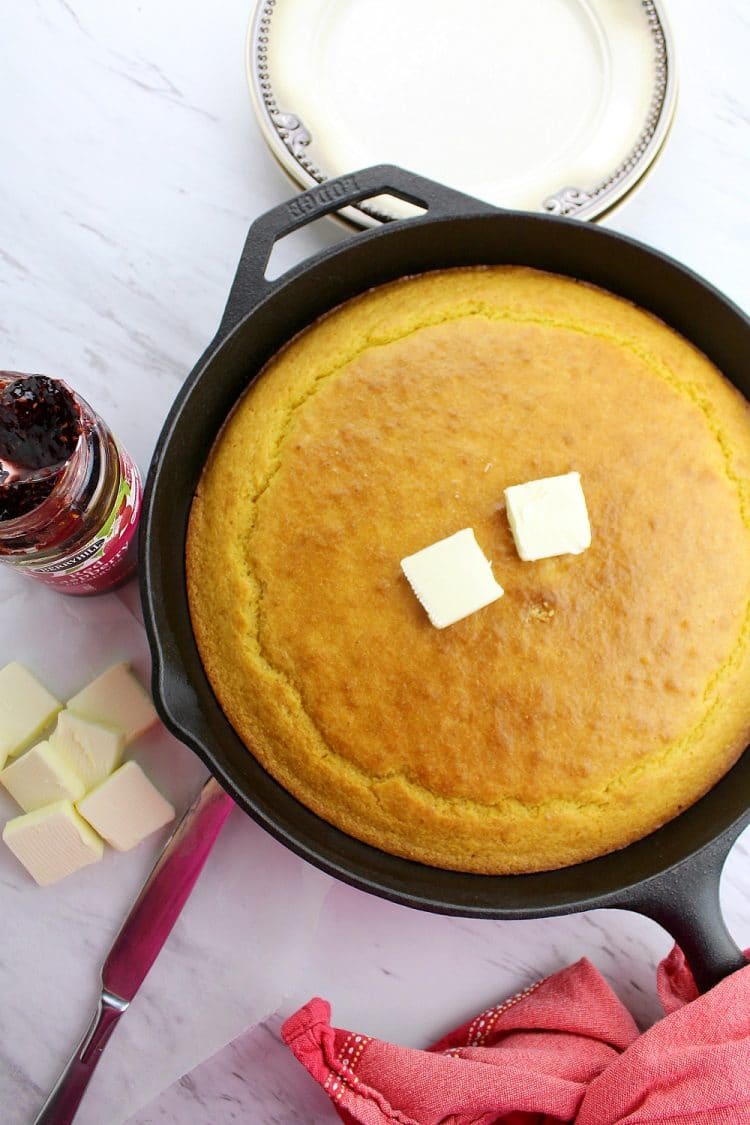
{"x":70,"y":496}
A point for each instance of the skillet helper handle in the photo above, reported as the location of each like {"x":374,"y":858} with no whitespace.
{"x":685,"y":901}
{"x":250,"y":285}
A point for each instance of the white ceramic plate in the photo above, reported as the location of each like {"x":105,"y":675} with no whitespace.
{"x":543,"y":105}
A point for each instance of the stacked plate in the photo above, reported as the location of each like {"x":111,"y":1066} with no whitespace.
{"x":542,"y":105}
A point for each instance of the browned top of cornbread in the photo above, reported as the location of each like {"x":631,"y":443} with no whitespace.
{"x":603,"y":693}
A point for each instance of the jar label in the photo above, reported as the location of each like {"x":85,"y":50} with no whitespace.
{"x":110,"y":555}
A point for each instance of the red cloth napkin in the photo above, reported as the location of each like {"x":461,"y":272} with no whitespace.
{"x":564,"y":1050}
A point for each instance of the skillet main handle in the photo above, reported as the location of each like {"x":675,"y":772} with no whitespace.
{"x":250,"y":285}
{"x":685,"y":901}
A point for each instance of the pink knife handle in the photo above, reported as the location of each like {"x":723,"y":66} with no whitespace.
{"x":165,"y":892}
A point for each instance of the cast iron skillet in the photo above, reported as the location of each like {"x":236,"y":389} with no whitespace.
{"x":673,"y":875}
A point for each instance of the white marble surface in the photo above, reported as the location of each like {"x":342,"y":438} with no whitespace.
{"x":131,"y":169}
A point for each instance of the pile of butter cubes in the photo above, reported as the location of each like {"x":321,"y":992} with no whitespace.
{"x":74,"y":792}
{"x":453,"y":578}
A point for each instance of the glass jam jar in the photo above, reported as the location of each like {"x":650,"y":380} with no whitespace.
{"x":70,"y":496}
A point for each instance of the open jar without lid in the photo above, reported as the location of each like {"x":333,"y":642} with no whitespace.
{"x":76,"y":527}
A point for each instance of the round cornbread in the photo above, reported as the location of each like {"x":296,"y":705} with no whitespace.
{"x":604,"y":693}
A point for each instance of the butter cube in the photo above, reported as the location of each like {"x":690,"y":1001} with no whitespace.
{"x":548,"y":517}
{"x":52,"y":842}
{"x":451,"y":578}
{"x":40,"y":776}
{"x":26,"y":708}
{"x":126,"y":807}
{"x":116,"y":699}
{"x":93,"y":750}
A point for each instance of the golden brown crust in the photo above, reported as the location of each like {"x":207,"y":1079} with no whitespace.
{"x":603,"y":693}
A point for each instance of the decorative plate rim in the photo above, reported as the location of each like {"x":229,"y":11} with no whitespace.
{"x":288,"y":138}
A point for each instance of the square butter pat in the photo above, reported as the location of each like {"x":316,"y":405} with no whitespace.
{"x":126,"y":808}
{"x":548,"y":517}
{"x":116,"y":699}
{"x":26,"y":708}
{"x":451,"y":578}
{"x":93,"y":750}
{"x":52,"y":842}
{"x":40,"y":776}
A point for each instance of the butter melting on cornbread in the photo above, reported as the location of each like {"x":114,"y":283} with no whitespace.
{"x":452,"y":578}
{"x":548,"y":517}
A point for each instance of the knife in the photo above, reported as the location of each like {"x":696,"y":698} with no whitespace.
{"x":137,"y":945}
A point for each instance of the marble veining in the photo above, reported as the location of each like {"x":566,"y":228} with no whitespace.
{"x":132,"y":168}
